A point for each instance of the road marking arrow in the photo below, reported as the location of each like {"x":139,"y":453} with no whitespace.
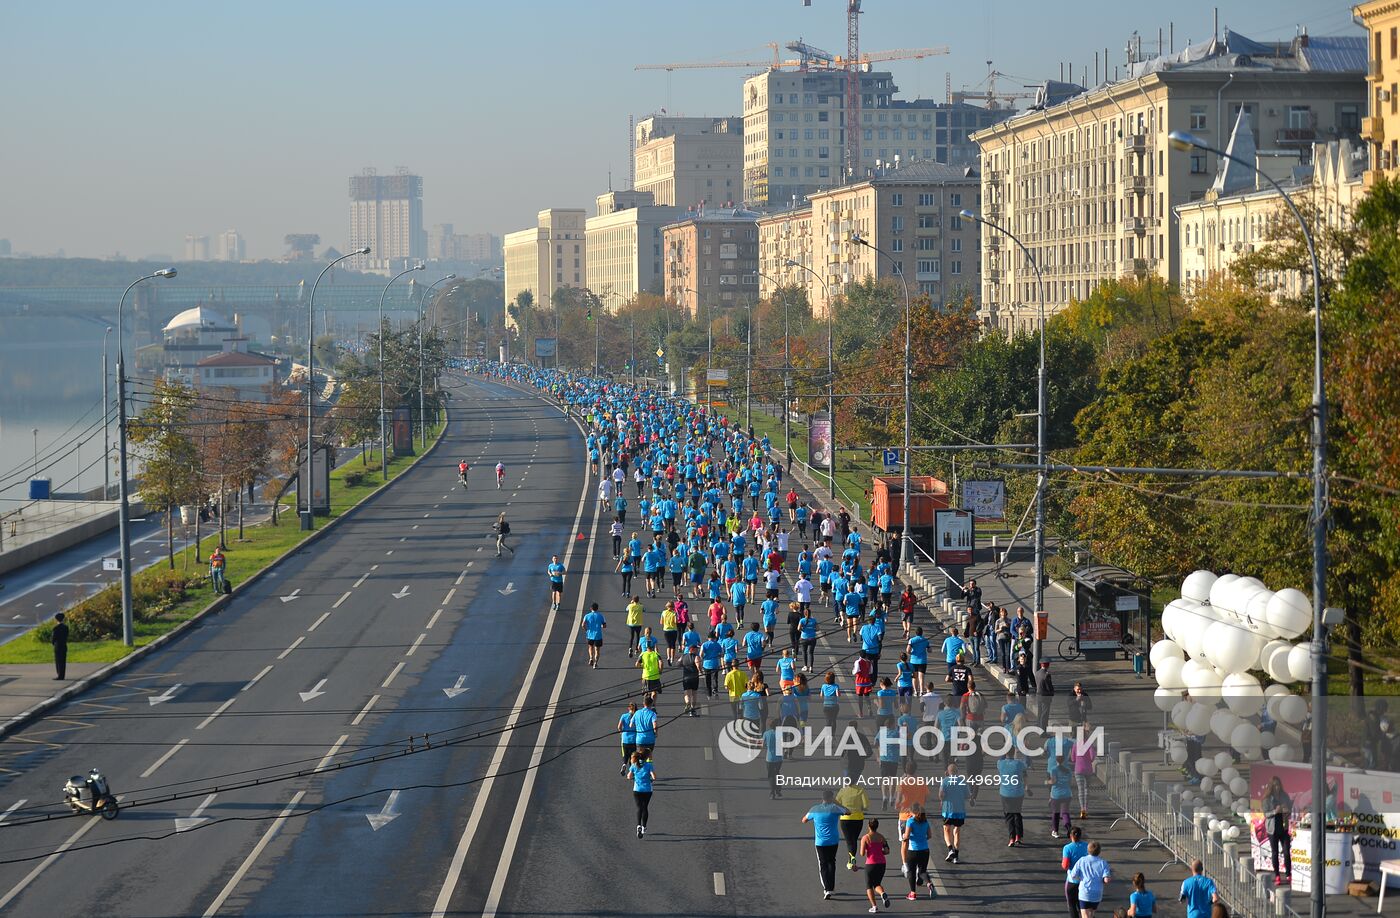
{"x":290,"y":597}
{"x":401,"y":593}
{"x":168,"y":694}
{"x":195,"y":819}
{"x":510,"y":588}
{"x":314,"y":693}
{"x":387,"y":815}
{"x":456,"y":689}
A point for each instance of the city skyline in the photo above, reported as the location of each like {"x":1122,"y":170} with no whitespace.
{"x":190,"y":155}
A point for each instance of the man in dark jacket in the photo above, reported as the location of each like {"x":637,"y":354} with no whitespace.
{"x":1045,"y":694}
{"x":60,"y":646}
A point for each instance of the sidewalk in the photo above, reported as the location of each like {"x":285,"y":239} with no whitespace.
{"x":24,"y":685}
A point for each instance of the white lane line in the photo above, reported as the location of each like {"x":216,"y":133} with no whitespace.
{"x":426,"y":515}
{"x":361,"y":580}
{"x":398,"y":668}
{"x":450,"y":593}
{"x":254,"y":681}
{"x":44,"y":864}
{"x":714,"y":812}
{"x":295,"y":644}
{"x":165,"y":758}
{"x":433,"y":621}
{"x":719,"y":883}
{"x":498,"y":884}
{"x":469,"y":564}
{"x":14,"y":806}
{"x":403,"y":539}
{"x":410,"y":651}
{"x":415,"y":526}
{"x":363,"y":711}
{"x":331,"y":753}
{"x":709,"y":754}
{"x":391,"y":551}
{"x":247,"y":864}
{"x":217,"y":711}
{"x":462,"y":576}
{"x":336,"y":604}
{"x":374,"y":567}
{"x":317,"y":623}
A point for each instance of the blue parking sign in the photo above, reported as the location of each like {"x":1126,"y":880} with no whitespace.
{"x":891,"y":457}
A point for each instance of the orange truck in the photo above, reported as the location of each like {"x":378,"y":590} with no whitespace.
{"x":926,"y":494}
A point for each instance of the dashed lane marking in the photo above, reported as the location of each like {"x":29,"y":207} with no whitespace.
{"x":265,"y":670}
{"x":363,"y":711}
{"x":217,"y":711}
{"x":324,"y":615}
{"x":398,"y":668}
{"x":361,"y":580}
{"x":283,"y":654}
{"x":165,"y":758}
{"x":714,"y":812}
{"x":335,"y":748}
{"x":336,"y":604}
{"x":412,"y":649}
{"x":450,"y":593}
{"x":433,"y":621}
{"x":719,"y":883}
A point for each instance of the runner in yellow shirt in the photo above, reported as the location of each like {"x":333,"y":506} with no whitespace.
{"x":634,"y":625}
{"x":737,"y":682}
{"x":670,"y":628}
{"x":854,"y":798}
{"x":650,"y":662}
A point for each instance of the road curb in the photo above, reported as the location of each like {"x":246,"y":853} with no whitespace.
{"x":29,"y":715}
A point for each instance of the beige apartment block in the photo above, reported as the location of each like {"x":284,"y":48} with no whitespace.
{"x":782,"y":236}
{"x":711,"y":260}
{"x":1381,"y":19}
{"x":1235,"y":216}
{"x":624,"y":246}
{"x":1087,"y":181}
{"x":689,"y":162}
{"x":550,"y":255}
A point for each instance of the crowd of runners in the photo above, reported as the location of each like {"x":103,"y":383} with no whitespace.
{"x":741,"y":576}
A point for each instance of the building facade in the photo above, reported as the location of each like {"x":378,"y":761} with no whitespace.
{"x":784,"y":236}
{"x":624,"y":246}
{"x":232,"y":246}
{"x":248,"y":373}
{"x":1381,"y":19}
{"x":196,"y":247}
{"x":711,"y":260}
{"x":386,"y":214}
{"x":549,"y":255}
{"x":689,"y":162}
{"x":1087,"y":181}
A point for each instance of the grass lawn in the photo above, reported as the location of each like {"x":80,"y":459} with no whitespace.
{"x":262,"y":545}
{"x":854,"y":469}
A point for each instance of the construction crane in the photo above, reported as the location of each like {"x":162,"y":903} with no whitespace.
{"x":811,"y":58}
{"x":990,"y":96}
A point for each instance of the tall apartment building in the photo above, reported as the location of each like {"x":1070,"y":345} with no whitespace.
{"x":232,"y":246}
{"x":624,"y":246}
{"x":689,"y":162}
{"x":1086,"y":178}
{"x":787,"y":235}
{"x":446,"y":244}
{"x":549,"y":255}
{"x":196,"y":247}
{"x":711,"y":259}
{"x":1381,"y":19}
{"x":386,"y":214}
{"x":481,"y":247}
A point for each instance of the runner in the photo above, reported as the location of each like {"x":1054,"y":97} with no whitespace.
{"x":773,"y":758}
{"x":831,"y":700}
{"x":824,"y":818}
{"x":952,"y":791}
{"x":502,"y":529}
{"x":643,"y":774}
{"x":1092,"y":873}
{"x":856,"y":801}
{"x":500,"y":475}
{"x":807,"y":633}
{"x":670,"y":629}
{"x":1011,"y":787}
{"x":593,"y":625}
{"x":914,"y":832}
{"x":629,"y":735}
{"x":556,"y":582}
{"x":710,"y":654}
{"x":644,"y":723}
{"x":690,"y":679}
{"x":1070,"y":854}
{"x":634,"y":626}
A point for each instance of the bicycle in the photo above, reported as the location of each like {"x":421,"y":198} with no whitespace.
{"x":1069,"y":650}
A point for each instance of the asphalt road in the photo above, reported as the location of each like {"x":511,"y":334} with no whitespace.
{"x":347,"y":678}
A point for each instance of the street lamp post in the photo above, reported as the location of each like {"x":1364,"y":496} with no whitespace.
{"x":383,"y":421}
{"x":106,"y":424}
{"x":422,"y":401}
{"x":830,"y":370}
{"x":308,"y":517}
{"x":787,"y":373}
{"x":1039,"y":427}
{"x":906,"y":554}
{"x":124,"y":504}
{"x":1182,"y":141}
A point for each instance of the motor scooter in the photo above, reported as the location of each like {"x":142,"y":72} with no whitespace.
{"x":91,"y":795}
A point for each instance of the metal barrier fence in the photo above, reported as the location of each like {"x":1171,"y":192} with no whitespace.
{"x":1156,"y":808}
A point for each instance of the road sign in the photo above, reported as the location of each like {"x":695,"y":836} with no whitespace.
{"x":660,"y":353}
{"x":891,"y":457}
{"x":111,"y":564}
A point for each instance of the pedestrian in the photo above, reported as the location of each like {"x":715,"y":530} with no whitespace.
{"x":853,"y":797}
{"x":216,"y":570}
{"x":831,"y":700}
{"x":690,"y":681}
{"x":1070,"y":854}
{"x":593,"y":625}
{"x":773,"y":758}
{"x":973,"y":594}
{"x":1080,"y":706}
{"x":1044,"y":694}
{"x":953,"y":792}
{"x":502,"y":530}
{"x":1001,"y":632}
{"x":634,"y":626}
{"x":1141,"y":902}
{"x":1082,"y":756}
{"x":556,"y":583}
{"x":825,"y":817}
{"x":1059,"y":775}
{"x":1092,"y":873}
{"x":873,"y":849}
{"x":629,"y":735}
{"x":1278,"y":810}
{"x":643,"y":774}
{"x":914,"y":832}
{"x":59,"y":638}
{"x":1011,"y":787}
{"x":1198,"y":892}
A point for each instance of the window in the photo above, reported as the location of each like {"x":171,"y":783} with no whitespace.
{"x":1348,"y":118}
{"x":807,"y":134}
{"x":896,"y":200}
{"x":926,"y":244}
{"x":955,"y":200}
{"x":955,"y":222}
{"x":1198,"y":118}
{"x":926,"y":200}
{"x":1198,"y":164}
{"x":897,"y":245}
{"x":1299,"y":117}
{"x":824,"y":134}
{"x":955,"y":245}
{"x":897,"y":224}
{"x":823,"y":172}
{"x":823,"y":116}
{"x":928,"y":221}
{"x":869,"y":134}
{"x":726,"y":234}
{"x":955,"y":267}
{"x":927,"y":266}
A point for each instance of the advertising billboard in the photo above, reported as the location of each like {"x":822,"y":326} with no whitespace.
{"x":819,"y":450}
{"x":954,"y":537}
{"x":986,"y":499}
{"x":546,"y":348}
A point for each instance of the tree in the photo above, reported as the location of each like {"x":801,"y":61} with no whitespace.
{"x":161,"y":435}
{"x":357,"y":412}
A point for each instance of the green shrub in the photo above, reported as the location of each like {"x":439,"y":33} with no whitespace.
{"x":43,"y":633}
{"x":354,"y":479}
{"x":96,"y":618}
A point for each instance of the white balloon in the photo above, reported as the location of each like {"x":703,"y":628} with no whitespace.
{"x":1169,"y":674}
{"x":1232,"y":832}
{"x":1201,"y":679}
{"x":1196,"y":586}
{"x":1224,"y":760}
{"x":1268,"y":739}
{"x":1198,"y":721}
{"x":1252,"y":753}
{"x":1282,"y":753}
{"x":1166,"y":698}
{"x":1256,"y":613}
{"x":1207,"y":767}
{"x":1239,"y":787}
{"x":1178,"y":753}
{"x":1220,"y":591}
{"x":1276,"y":691}
{"x":1214,"y":825}
{"x":1223,"y":724}
{"x":1229,"y":772}
{"x":1271,"y":705}
{"x":1231,"y":648}
{"x":1242,"y":693}
{"x":1226,"y":798}
{"x":1300,"y":663}
{"x":1179,"y":712}
{"x":1169,"y":621}
{"x":1292,"y":710}
{"x":1244,"y":736}
{"x":1290,"y":613}
{"x":1191,"y":621}
{"x":1164,"y":650}
{"x":1273,"y":659}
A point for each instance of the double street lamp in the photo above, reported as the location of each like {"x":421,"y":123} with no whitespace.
{"x":124,"y":504}
{"x":383,"y":422}
{"x":1183,"y":142}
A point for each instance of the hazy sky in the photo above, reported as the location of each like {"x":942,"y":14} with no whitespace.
{"x":127,"y":125}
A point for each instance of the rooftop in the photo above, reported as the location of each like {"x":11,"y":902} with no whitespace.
{"x":200,"y":316}
{"x":237,"y":359}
